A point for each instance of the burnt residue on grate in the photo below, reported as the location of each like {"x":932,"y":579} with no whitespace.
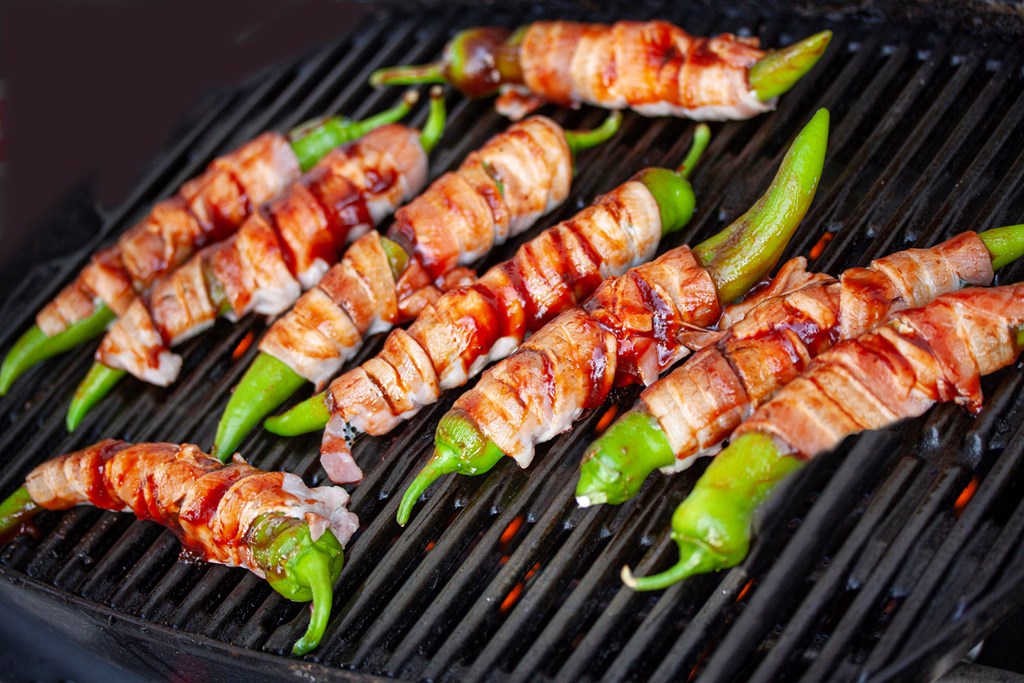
{"x":888,"y":557}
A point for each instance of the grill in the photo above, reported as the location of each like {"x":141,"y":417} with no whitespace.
{"x":886,"y":560}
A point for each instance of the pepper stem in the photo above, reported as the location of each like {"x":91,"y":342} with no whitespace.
{"x":266,"y":385}
{"x":433,"y":129}
{"x":694,"y":558}
{"x":459,"y":448}
{"x":34,"y":346}
{"x":701,"y":138}
{"x":314,"y":571}
{"x":579,"y":140}
{"x":779,"y":70}
{"x":309,"y":416}
{"x":91,"y":391}
{"x":311,"y":141}
{"x":17,"y":509}
{"x":741,"y":255}
{"x":1005,"y":244}
{"x":408,"y":75}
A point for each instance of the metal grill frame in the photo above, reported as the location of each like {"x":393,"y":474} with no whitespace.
{"x":840,"y":582}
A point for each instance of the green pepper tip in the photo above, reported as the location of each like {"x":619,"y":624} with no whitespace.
{"x":97,"y":384}
{"x":1005,"y":245}
{"x":267,"y":383}
{"x":15,"y":510}
{"x":618,"y":462}
{"x":779,"y":70}
{"x":433,"y":129}
{"x":579,"y":140}
{"x":694,"y":558}
{"x":34,"y":346}
{"x":311,"y":415}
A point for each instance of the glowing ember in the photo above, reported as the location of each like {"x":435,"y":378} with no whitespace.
{"x":965,"y":496}
{"x":511,"y":530}
{"x":512,"y":598}
{"x":820,"y":246}
{"x":243,"y":346}
{"x":607,"y":418}
{"x":744,"y":591}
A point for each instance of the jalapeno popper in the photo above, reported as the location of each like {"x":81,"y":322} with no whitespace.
{"x":280,"y":250}
{"x":936,"y":353}
{"x":454,"y":338}
{"x":690,"y":411}
{"x":206,"y":209}
{"x":653,"y":67}
{"x":629,"y":331}
{"x":267,"y":522}
{"x":497,"y":192}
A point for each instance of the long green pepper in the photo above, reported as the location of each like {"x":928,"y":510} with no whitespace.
{"x":310,"y":143}
{"x":314,"y":142}
{"x":736,"y":259}
{"x":251,"y":402}
{"x":616,"y":465}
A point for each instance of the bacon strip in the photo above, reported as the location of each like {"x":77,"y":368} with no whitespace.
{"x":654,"y":68}
{"x":281,"y":249}
{"x":459,"y":218}
{"x":700,"y":403}
{"x":629,"y":331}
{"x":457,"y":336}
{"x":206,"y":209}
{"x":935,"y":353}
{"x":210,"y":507}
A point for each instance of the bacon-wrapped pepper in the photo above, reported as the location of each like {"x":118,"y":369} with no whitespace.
{"x":497,"y":192}
{"x":206,"y":209}
{"x":281,"y":249}
{"x":465,"y":329}
{"x":267,"y":522}
{"x":690,"y":411}
{"x":936,"y":353}
{"x":653,"y":67}
{"x":629,"y":331}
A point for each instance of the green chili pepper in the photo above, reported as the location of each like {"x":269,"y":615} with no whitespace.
{"x":618,"y":462}
{"x":249,"y":405}
{"x":779,"y":70}
{"x":299,"y":568}
{"x":736,"y":259}
{"x":97,"y":384}
{"x":478,"y":61}
{"x":310,"y":142}
{"x":17,"y":509}
{"x":713,"y":525}
{"x":35,"y":347}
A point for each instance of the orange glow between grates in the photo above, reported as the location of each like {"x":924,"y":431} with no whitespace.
{"x":243,"y":346}
{"x":820,"y":245}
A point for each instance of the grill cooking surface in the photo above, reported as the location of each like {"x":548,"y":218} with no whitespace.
{"x":890,"y":557}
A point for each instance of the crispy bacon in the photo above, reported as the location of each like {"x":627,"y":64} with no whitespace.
{"x":497,"y":192}
{"x":282,"y":248}
{"x":652,"y":67}
{"x":698,"y":404}
{"x":935,"y":353}
{"x":210,"y":507}
{"x":467,"y":328}
{"x":206,"y":209}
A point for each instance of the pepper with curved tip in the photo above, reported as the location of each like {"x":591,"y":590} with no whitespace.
{"x":248,"y":406}
{"x":282,"y":381}
{"x":34,"y":346}
{"x":676,"y":203}
{"x":478,"y":61}
{"x":713,"y":525}
{"x":17,"y":509}
{"x":736,"y":259}
{"x":310,"y":142}
{"x":618,"y":462}
{"x":299,"y":568}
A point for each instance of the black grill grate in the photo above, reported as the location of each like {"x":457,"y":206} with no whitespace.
{"x":867,"y":566}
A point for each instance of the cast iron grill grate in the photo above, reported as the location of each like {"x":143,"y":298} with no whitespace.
{"x":877,"y":561}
